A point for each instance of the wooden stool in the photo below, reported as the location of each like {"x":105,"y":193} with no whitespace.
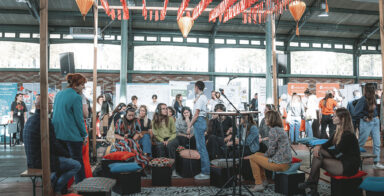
{"x":33,"y":174}
{"x":187,"y":168}
{"x":346,"y":185}
{"x":365,"y":155}
{"x":287,"y":182}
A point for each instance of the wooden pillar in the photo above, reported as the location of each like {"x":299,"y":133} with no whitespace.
{"x":381,"y":8}
{"x":95,"y":40}
{"x":44,"y":125}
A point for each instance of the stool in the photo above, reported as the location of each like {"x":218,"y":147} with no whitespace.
{"x":127,"y":183}
{"x":287,"y":182}
{"x":33,"y":174}
{"x":94,"y":186}
{"x":346,"y":185}
{"x":311,"y":143}
{"x":365,"y":155}
{"x":220,"y":176}
{"x":187,"y":168}
{"x":161,"y":176}
{"x":373,"y":186}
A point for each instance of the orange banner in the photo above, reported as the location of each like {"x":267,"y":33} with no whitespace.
{"x":322,"y":88}
{"x":298,"y":88}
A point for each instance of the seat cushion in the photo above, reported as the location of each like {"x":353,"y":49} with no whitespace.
{"x":357,"y":175}
{"x":374,"y":184}
{"x":306,"y":140}
{"x":119,"y":156}
{"x":124,"y":167}
{"x":317,"y":142}
{"x":362,"y":149}
{"x":161,"y":162}
{"x":293,"y":169}
{"x":189,"y":154}
{"x":296,"y":160}
{"x":95,"y":184}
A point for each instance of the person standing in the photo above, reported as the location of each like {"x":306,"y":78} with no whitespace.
{"x":68,"y":119}
{"x":199,"y":127}
{"x":311,"y":108}
{"x":134,"y":102}
{"x":178,"y":105}
{"x":367,"y":113}
{"x":255,"y":106}
{"x":19,"y":116}
{"x":295,"y":110}
{"x":212,"y":102}
{"x":327,"y":107}
{"x":152,"y":106}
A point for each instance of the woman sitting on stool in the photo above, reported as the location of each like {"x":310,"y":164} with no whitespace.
{"x":278,"y":156}
{"x":344,"y":160}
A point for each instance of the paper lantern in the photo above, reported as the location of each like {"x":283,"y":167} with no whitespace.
{"x":84,"y":6}
{"x":297,"y":9}
{"x":185,"y":25}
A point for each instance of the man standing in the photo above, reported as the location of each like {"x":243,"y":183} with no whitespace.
{"x":199,"y":127}
{"x":255,"y":107}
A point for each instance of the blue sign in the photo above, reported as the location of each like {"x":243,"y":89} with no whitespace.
{"x":8,"y":92}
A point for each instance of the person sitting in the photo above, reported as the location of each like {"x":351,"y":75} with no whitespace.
{"x":134,"y":102}
{"x":171,"y":113}
{"x":182,"y":136}
{"x":62,"y":167}
{"x":218,"y":133}
{"x":128,"y":134}
{"x":164,"y":130}
{"x":250,"y":137}
{"x":146,"y":131}
{"x":278,"y":156}
{"x":343,"y":160}
{"x":116,"y":114}
{"x":264,"y":129}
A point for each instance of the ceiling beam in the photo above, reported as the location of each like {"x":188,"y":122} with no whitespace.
{"x":34,"y":9}
{"x":363,"y":38}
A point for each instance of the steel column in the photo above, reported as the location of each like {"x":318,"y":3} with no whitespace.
{"x":269,"y":58}
{"x":124,"y":61}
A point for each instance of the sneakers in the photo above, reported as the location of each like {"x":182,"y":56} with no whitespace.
{"x":202,"y":176}
{"x":378,"y":166}
{"x":174,"y":174}
{"x":265,"y":183}
{"x":257,"y":188}
{"x":307,"y":184}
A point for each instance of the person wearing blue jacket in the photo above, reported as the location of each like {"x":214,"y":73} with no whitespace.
{"x":68,"y":119}
{"x":366,"y":113}
{"x":249,"y":136}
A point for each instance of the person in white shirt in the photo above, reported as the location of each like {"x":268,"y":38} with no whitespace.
{"x":199,"y":127}
{"x":152,"y":106}
{"x":311,"y":107}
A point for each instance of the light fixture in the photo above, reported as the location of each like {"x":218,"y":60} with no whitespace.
{"x":323,"y":13}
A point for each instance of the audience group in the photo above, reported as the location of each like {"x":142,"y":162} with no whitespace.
{"x":133,"y":128}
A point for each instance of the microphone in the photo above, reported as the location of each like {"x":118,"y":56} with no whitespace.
{"x":221,"y":91}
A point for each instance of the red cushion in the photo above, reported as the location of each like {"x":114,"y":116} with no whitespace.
{"x":119,"y":156}
{"x":72,"y":194}
{"x":296,"y":160}
{"x":357,"y":175}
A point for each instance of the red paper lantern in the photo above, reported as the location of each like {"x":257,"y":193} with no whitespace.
{"x":297,"y":9}
{"x":84,"y":6}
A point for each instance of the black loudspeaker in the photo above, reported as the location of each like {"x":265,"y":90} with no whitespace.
{"x":67,"y":63}
{"x":281,"y":62}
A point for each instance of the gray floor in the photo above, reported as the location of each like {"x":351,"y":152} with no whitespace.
{"x":12,"y":161}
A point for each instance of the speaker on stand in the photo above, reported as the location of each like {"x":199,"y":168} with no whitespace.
{"x":67,"y":63}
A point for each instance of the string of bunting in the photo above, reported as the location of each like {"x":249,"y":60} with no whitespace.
{"x":200,"y":8}
{"x":183,"y":6}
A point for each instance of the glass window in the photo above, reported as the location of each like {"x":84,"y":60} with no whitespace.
{"x":317,"y":62}
{"x":108,"y":56}
{"x":19,"y":55}
{"x":236,"y":90}
{"x":240,"y":60}
{"x":171,"y":58}
{"x":370,"y":65}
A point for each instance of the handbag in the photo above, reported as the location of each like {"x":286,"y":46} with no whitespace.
{"x":12,"y":128}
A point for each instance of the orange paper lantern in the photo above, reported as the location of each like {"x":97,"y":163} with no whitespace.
{"x":297,"y":9}
{"x":185,"y":25}
{"x":84,"y":6}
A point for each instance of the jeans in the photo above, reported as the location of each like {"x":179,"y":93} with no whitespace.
{"x":294,"y":129}
{"x":75,"y":152}
{"x":308,"y":128}
{"x":199,"y":128}
{"x":68,"y":169}
{"x":372,"y":129}
{"x":146,"y":144}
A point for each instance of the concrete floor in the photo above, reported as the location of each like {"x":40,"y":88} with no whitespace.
{"x":13,"y":162}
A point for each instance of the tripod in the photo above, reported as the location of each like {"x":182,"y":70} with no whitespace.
{"x":236,"y":183}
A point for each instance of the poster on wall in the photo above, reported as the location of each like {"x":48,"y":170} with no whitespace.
{"x":322,"y":88}
{"x":144,"y":92}
{"x":178,"y":87}
{"x":298,"y":88}
{"x":8,"y":92}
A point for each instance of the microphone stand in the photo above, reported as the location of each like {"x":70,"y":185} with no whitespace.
{"x":234,"y":178}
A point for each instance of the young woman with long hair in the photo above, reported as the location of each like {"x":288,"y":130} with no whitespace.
{"x":163,"y":128}
{"x":295,"y":110}
{"x":178,"y":105}
{"x":327,"y":107}
{"x":344,"y":160}
{"x":18,"y":116}
{"x":128,"y":134}
{"x":366,"y":113}
{"x":146,"y":130}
